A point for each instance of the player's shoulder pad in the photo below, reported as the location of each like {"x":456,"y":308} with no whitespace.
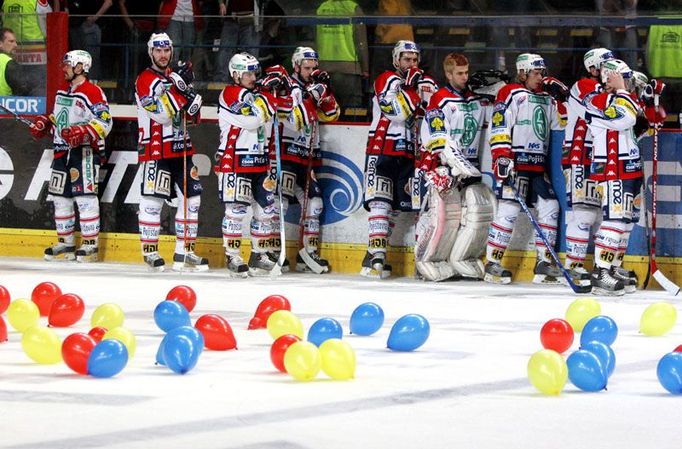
{"x":386,"y":81}
{"x":147,"y":81}
{"x":584,"y":87}
{"x":508,"y":91}
{"x":92,"y":92}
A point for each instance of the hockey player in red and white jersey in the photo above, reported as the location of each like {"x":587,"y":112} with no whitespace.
{"x":522,"y":118}
{"x":79,"y":123}
{"x":165,"y":97}
{"x":389,"y":163}
{"x":451,"y":234}
{"x":301,"y":153}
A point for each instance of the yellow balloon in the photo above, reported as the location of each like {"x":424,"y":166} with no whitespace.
{"x":581,"y":311}
{"x":302,"y":360}
{"x":547,"y":371}
{"x":338,"y":359}
{"x":658,"y":319}
{"x":283,"y":322}
{"x":107,"y":316}
{"x":124,"y":336}
{"x":42,"y":345}
{"x":23,"y":314}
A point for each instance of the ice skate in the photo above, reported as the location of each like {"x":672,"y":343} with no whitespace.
{"x":496,"y":274}
{"x":189,"y":262}
{"x":154,"y":261}
{"x":274,"y":256}
{"x":60,"y":249}
{"x":311,"y":262}
{"x":580,"y":275}
{"x":260,"y":264}
{"x":236,"y":267}
{"x":87,"y":253}
{"x":546,"y":273}
{"x":628,"y":277}
{"x":369,"y":271}
{"x":605,"y":284}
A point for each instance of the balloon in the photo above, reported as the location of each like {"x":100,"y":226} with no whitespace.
{"x":366,"y":319}
{"x":107,"y":359}
{"x":125,"y":336}
{"x":44,"y":295}
{"x":282,"y":322}
{"x":586,"y":371}
{"x":217,"y":332}
{"x":189,"y":332}
{"x":556,"y":335}
{"x":669,"y":372}
{"x":408,"y":333}
{"x":266,"y":307}
{"x":302,"y":360}
{"x":66,"y":310}
{"x":181,"y":350}
{"x":159,"y":352}
{"x":324,"y":329}
{"x":97,"y":333}
{"x":279,"y":348}
{"x":547,"y":371}
{"x":3,"y":330}
{"x":22,"y":314}
{"x":604,"y":353}
{"x":76,"y":350}
{"x":184,"y":295}
{"x":600,"y":328}
{"x":658,"y":319}
{"x":581,"y":311}
{"x":4,"y":299}
{"x":107,"y":316}
{"x":678,"y":349}
{"x":170,"y":314}
{"x":42,"y":345}
{"x":338,"y":359}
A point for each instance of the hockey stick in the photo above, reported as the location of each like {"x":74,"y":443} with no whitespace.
{"x":663,"y":281}
{"x":538,"y":230}
{"x":16,"y":116}
{"x":277,"y":269}
{"x":184,"y":183}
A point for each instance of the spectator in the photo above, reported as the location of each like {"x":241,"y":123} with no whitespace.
{"x":11,"y":81}
{"x":343,"y":51}
{"x":607,"y":36}
{"x":84,"y":32}
{"x":239,"y":33}
{"x":140,"y":19}
{"x":500,"y":34}
{"x":181,"y":19}
{"x":386,"y":35}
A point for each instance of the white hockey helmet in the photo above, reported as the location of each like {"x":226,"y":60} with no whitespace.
{"x":159,"y":40}
{"x":616,"y":66}
{"x":75,"y":57}
{"x":403,"y":47}
{"x":640,"y":80}
{"x":526,"y":62}
{"x":243,"y":62}
{"x":596,"y":57}
{"x":303,"y":53}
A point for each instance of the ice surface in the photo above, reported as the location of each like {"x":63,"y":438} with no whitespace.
{"x":465,"y":388}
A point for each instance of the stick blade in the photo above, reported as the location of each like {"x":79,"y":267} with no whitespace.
{"x":666,"y":283}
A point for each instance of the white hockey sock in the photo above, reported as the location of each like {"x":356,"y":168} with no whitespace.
{"x":149,"y":222}
{"x":607,"y":243}
{"x":88,"y":211}
{"x":623,"y":245}
{"x":500,"y":232}
{"x":186,"y":228}
{"x":379,"y":226}
{"x":64,"y":219}
{"x":548,"y":215}
{"x":233,"y":227}
{"x":311,"y":225}
{"x":578,"y":226}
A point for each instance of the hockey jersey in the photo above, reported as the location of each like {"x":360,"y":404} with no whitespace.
{"x":160,"y":130}
{"x":80,"y":105}
{"x":521,"y":121}
{"x":577,"y":146}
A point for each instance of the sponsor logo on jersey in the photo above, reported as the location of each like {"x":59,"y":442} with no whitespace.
{"x":75,"y":174}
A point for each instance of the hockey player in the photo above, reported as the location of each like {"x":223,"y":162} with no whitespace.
{"x":522,"y":118}
{"x":301,"y":152}
{"x":389,"y":162}
{"x":79,"y":123}
{"x":165,"y":98}
{"x":451,"y":235}
{"x":583,"y":200}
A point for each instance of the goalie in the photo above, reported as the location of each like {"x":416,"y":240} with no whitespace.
{"x":458,"y":208}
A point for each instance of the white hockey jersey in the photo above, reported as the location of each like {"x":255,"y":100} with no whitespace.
{"x":577,"y":146}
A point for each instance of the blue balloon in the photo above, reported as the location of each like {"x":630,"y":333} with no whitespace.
{"x":409,"y":333}
{"x":107,"y":358}
{"x":586,"y":371}
{"x":604,"y":353}
{"x":324,"y":329}
{"x":669,"y":372}
{"x":171,"y":314}
{"x":366,"y":319}
{"x":159,"y":352}
{"x":600,"y":328}
{"x":182,"y":347}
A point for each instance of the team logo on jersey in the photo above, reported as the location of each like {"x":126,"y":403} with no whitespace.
{"x":498,"y":119}
{"x":540,"y":123}
{"x":612,"y":113}
{"x":470,"y":130}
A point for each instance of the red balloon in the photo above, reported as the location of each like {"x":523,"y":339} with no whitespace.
{"x":66,"y":310}
{"x":678,"y":349}
{"x":217,"y":332}
{"x":76,"y":350}
{"x":557,"y":335}
{"x":266,"y":307}
{"x":3,"y":330}
{"x":97,"y":333}
{"x":4,"y":299}
{"x":184,"y":295}
{"x":44,"y":295}
{"x":279,"y":348}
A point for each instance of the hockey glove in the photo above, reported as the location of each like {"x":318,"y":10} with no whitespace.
{"x":193,"y":105}
{"x":503,"y":162}
{"x":321,"y":76}
{"x":41,"y":127}
{"x":655,"y":116}
{"x":317,"y":92}
{"x":182,"y":76}
{"x":555,"y":88}
{"x":78,"y":135}
{"x":439,"y":178}
{"x":414,"y":74}
{"x":277,"y":70}
{"x":270,"y":82}
{"x":650,"y":91}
